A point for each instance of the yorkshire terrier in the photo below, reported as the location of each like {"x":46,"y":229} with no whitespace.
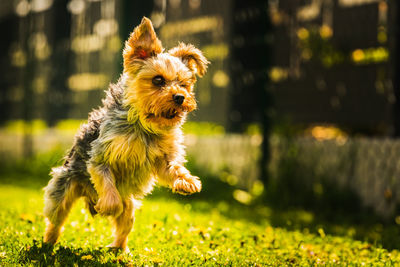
{"x":133,"y":141}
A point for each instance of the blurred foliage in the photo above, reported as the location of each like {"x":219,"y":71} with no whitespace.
{"x":72,"y":125}
{"x":254,"y":129}
{"x":327,"y":132}
{"x":370,"y":55}
{"x":203,"y":128}
{"x":30,"y":171}
{"x":283,"y":127}
{"x":315,"y":45}
{"x":20,"y":127}
{"x":69,"y":125}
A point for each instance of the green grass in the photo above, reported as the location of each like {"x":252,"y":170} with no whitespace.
{"x":37,"y":127}
{"x":172,"y":230}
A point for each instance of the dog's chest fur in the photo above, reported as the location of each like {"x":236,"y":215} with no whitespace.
{"x":133,"y":151}
{"x":133,"y":155}
{"x":131,"y":159}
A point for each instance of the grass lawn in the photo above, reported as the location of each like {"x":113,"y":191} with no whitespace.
{"x":175,"y":231}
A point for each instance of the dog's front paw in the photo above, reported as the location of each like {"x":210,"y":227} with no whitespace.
{"x":109,"y":205}
{"x":187,"y":185}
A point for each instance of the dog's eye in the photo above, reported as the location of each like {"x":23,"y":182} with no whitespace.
{"x":158,"y":80}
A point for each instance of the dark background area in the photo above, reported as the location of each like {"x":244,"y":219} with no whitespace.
{"x":309,"y":62}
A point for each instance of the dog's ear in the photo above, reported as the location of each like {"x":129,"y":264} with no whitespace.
{"x":142,"y":43}
{"x":192,"y":57}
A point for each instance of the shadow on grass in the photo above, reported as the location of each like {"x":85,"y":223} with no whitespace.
{"x":40,"y":254}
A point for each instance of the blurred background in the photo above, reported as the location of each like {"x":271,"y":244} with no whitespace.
{"x":300,"y":106}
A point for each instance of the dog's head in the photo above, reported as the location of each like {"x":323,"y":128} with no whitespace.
{"x":160,"y":84}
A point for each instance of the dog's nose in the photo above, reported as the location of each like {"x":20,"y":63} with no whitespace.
{"x":178,"y":98}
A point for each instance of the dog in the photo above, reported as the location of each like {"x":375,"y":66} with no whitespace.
{"x":133,"y":141}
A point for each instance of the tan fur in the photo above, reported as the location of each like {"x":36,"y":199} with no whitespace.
{"x":192,"y":57}
{"x":109,"y":202}
{"x":123,"y":225}
{"x":134,"y":141}
{"x":59,"y":215}
{"x":143,"y":41}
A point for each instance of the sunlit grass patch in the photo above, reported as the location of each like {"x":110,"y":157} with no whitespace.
{"x":172,"y":231}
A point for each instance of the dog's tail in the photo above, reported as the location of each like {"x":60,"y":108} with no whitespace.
{"x":58,"y":193}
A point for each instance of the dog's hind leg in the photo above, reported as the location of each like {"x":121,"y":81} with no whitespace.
{"x":123,"y":225}
{"x":60,"y":194}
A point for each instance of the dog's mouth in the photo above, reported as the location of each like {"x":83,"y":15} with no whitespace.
{"x":169,"y":114}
